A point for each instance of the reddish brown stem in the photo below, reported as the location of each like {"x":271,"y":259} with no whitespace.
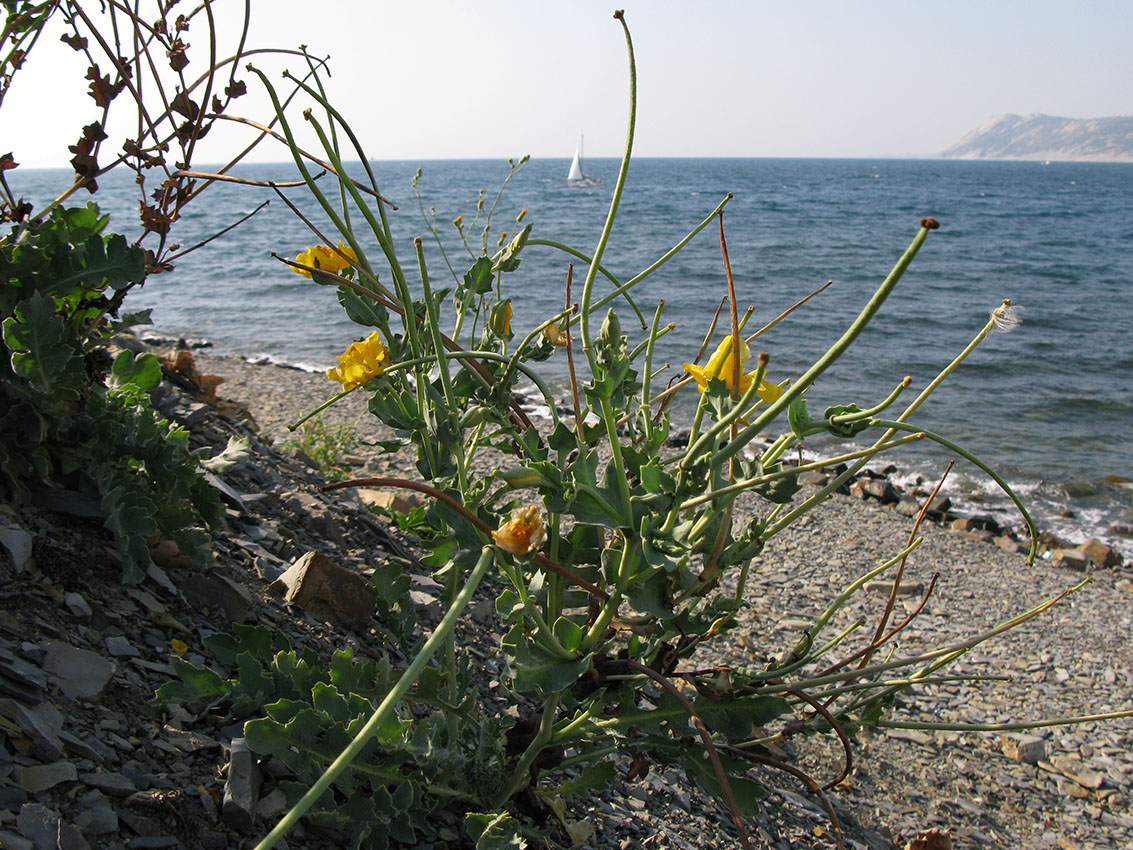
{"x":706,"y":738}
{"x":405,"y":484}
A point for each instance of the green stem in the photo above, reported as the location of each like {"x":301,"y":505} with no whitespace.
{"x":1000,"y":727}
{"x":971,"y":458}
{"x":523,"y":766}
{"x":320,"y":408}
{"x":747,"y":483}
{"x":615,"y":200}
{"x":832,"y":354}
{"x":385,"y":709}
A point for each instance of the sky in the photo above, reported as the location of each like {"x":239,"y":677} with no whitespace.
{"x":498,"y":78}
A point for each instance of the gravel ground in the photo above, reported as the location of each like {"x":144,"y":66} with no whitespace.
{"x":1075,"y":659}
{"x":110,"y":768}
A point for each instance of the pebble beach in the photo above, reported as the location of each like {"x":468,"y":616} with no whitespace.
{"x":105,"y":766}
{"x":1075,"y":659}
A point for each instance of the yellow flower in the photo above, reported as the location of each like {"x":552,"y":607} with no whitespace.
{"x":179,"y":646}
{"x":499,"y":319}
{"x":722,"y":365}
{"x":327,"y":259}
{"x":360,"y":362}
{"x":523,"y":533}
{"x":554,"y":335}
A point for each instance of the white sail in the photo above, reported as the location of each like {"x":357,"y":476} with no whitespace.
{"x":576,"y":167}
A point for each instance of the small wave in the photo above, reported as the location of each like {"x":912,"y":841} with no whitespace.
{"x":265,"y":359}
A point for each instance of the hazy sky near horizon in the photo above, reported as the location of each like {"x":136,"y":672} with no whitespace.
{"x":498,"y":78}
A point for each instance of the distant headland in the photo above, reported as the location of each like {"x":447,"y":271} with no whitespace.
{"x":1047,"y":137}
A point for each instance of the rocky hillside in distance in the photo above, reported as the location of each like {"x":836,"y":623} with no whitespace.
{"x":1043,"y":137}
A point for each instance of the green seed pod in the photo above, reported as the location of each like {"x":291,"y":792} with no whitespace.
{"x":476,"y":415}
{"x":522,"y":476}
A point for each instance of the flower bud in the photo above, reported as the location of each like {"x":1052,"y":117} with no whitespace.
{"x":499,"y":320}
{"x":519,"y":477}
{"x":476,"y":415}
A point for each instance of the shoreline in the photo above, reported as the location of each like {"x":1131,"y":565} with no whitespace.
{"x":1075,"y":659}
{"x":997,"y":523}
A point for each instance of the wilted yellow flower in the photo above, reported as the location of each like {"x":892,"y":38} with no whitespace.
{"x":522,"y":213}
{"x":722,"y":365}
{"x":554,"y":335}
{"x":327,"y":259}
{"x":499,"y":320}
{"x":458,"y":221}
{"x":360,"y":362}
{"x":503,"y":236}
{"x":523,"y":533}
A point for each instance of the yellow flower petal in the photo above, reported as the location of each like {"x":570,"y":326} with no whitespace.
{"x":360,"y":362}
{"x":523,"y":533}
{"x":327,"y":259}
{"x":721,"y":365}
{"x":555,"y":336}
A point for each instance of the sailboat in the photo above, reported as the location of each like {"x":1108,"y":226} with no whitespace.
{"x":576,"y":176}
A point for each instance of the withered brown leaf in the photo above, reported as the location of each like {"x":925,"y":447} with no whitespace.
{"x":176,"y":54}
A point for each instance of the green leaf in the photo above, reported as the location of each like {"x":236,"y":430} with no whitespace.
{"x":361,"y":310}
{"x":43,"y":352}
{"x":844,"y":429}
{"x":798,"y":418}
{"x":478,"y":279}
{"x":238,"y":450}
{"x":568,"y":633}
{"x":494,"y":831}
{"x":134,"y":375}
{"x":534,"y":670}
{"x":258,"y":641}
{"x":593,"y":777}
{"x":196,"y":683}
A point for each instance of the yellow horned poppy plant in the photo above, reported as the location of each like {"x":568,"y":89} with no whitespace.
{"x":523,"y":533}
{"x":326,"y":259}
{"x":360,"y":362}
{"x":722,"y":365}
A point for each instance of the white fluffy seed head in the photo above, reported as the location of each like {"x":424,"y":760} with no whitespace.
{"x":1006,"y":317}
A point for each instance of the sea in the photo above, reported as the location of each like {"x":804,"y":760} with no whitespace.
{"x":1049,"y":405}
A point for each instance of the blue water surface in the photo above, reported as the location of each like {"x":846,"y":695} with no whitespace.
{"x":1049,"y":404}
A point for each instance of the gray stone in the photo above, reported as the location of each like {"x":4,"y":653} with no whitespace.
{"x":80,"y":674}
{"x":119,"y":647}
{"x":11,"y":841}
{"x":70,"y":838}
{"x":114,"y":784}
{"x":42,"y":724}
{"x":77,"y":605}
{"x":98,"y":820}
{"x":153,"y":842}
{"x":875,"y":488}
{"x":39,"y":825}
{"x":272,"y":805}
{"x":39,"y":777}
{"x":21,"y":680}
{"x":1099,"y":554}
{"x":1026,"y":749}
{"x":17,"y":543}
{"x":241,"y":787}
{"x":218,"y":593}
{"x":907,"y":588}
{"x":1072,"y":768}
{"x":1072,"y":559}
